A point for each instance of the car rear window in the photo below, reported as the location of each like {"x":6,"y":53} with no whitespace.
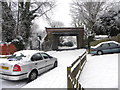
{"x":113,"y":45}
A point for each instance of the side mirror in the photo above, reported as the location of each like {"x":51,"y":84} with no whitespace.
{"x":50,"y":57}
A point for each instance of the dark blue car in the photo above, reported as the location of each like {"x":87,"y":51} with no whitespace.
{"x":106,"y":47}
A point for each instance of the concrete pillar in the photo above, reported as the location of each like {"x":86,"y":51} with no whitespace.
{"x":80,"y":41}
{"x":55,"y":42}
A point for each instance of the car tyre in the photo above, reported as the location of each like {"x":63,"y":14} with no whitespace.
{"x":32,"y":76}
{"x":55,"y":64}
{"x":99,"y":52}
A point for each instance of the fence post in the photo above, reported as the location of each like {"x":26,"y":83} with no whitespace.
{"x":68,"y":79}
{"x":80,"y":65}
{"x":73,"y":76}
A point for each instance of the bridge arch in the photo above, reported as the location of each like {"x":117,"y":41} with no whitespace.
{"x":53,"y":35}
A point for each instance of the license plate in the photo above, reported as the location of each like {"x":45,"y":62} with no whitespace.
{"x":5,"y":68}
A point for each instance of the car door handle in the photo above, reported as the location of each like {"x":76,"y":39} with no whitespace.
{"x":35,"y":63}
{"x":45,"y":61}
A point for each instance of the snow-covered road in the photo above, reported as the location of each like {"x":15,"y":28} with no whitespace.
{"x":12,"y":84}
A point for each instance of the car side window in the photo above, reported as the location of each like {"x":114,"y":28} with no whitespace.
{"x":106,"y":45}
{"x":113,"y":45}
{"x":45,"y":56}
{"x":36,"y":57}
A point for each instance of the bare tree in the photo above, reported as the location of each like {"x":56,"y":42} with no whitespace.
{"x":86,"y":13}
{"x":28,"y":11}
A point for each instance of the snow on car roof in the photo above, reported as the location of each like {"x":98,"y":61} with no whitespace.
{"x":28,"y":52}
{"x":104,"y":43}
{"x":109,"y":42}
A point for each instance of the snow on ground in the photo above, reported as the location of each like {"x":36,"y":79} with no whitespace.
{"x":0,"y":85}
{"x":65,"y":47}
{"x":12,"y":84}
{"x":100,"y":72}
{"x":99,"y":37}
{"x":57,"y":78}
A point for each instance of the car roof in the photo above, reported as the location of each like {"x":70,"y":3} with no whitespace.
{"x":29,"y":52}
{"x":109,"y":42}
{"x":105,"y":42}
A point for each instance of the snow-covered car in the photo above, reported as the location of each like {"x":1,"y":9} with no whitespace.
{"x":106,"y":47}
{"x":26,"y":64}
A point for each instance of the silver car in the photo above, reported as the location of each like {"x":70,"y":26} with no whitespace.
{"x":106,"y":47}
{"x":26,"y":64}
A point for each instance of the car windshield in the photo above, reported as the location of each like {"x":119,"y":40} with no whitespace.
{"x":16,"y":57}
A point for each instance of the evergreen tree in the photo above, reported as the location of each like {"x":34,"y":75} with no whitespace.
{"x":8,"y":23}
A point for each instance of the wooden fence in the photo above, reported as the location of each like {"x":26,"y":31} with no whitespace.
{"x":74,"y":71}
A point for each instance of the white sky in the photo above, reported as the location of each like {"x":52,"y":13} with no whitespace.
{"x":60,"y":13}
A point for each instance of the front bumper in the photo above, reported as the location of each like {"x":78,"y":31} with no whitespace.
{"x":13,"y":77}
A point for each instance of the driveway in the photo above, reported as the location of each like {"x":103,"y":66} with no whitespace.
{"x":12,"y":84}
